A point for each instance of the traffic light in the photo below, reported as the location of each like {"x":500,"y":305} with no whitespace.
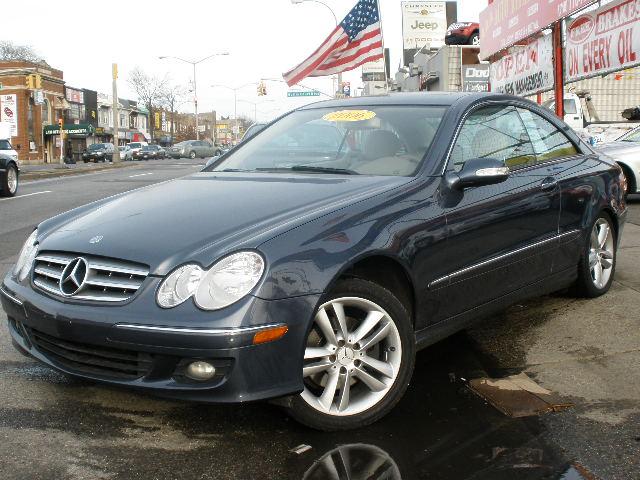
{"x":262,"y":89}
{"x":61,"y":124}
{"x":30,"y":81}
{"x":38,"y":80}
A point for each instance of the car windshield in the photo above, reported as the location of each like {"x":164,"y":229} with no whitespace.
{"x":5,"y":145}
{"x":632,"y":136}
{"x":148,"y":148}
{"x":376,"y":140}
{"x":135,"y":145}
{"x":97,"y":146}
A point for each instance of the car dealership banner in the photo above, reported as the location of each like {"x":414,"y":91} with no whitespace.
{"x":423,"y":24}
{"x":526,"y":70}
{"x":602,"y":41}
{"x":506,"y":22}
{"x":9,"y":112}
{"x":475,"y":78}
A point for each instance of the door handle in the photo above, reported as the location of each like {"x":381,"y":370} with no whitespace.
{"x":548,"y":183}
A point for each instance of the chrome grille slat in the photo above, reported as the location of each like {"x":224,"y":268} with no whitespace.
{"x":49,"y":272}
{"x":107,"y":280}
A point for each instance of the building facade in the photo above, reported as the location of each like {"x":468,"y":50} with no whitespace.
{"x":31,"y":110}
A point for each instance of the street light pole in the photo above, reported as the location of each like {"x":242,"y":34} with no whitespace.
{"x":195,"y":91}
{"x":335,"y":19}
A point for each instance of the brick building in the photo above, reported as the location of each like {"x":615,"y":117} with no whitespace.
{"x":30,"y":110}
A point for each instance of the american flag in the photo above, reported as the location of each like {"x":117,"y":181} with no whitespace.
{"x":355,"y":41}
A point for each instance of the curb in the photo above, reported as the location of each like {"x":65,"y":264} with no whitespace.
{"x":63,"y":172}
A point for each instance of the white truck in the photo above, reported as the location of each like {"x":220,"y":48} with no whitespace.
{"x":5,"y":141}
{"x":594,"y":107}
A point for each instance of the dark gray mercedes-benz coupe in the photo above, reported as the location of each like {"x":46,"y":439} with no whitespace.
{"x":310,"y":263}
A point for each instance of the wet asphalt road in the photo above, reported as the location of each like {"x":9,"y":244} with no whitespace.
{"x":56,"y":427}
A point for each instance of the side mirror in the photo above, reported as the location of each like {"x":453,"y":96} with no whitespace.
{"x":477,"y":172}
{"x":211,"y":161}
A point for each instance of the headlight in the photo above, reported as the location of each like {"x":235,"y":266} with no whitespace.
{"x":226,"y":282}
{"x":26,"y":257}
{"x":179,"y":286}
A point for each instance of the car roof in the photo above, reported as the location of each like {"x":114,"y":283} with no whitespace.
{"x":403,"y":98}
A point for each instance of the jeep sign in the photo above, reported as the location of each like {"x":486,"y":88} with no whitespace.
{"x":423,"y":24}
{"x":475,"y":78}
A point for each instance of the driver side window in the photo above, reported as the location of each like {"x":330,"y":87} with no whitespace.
{"x":493,"y":132}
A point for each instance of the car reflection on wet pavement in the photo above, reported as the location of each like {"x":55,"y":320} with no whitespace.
{"x":440,"y":430}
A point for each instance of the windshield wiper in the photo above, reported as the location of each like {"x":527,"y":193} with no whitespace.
{"x":316,"y":169}
{"x":233,"y":170}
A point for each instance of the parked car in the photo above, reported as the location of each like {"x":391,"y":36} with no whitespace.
{"x":626,"y":152}
{"x":192,"y":149}
{"x":98,"y":152}
{"x":7,"y":149}
{"x":125,"y":153}
{"x":252,"y":130}
{"x":9,"y":175}
{"x":279,"y":272}
{"x":149,"y":152}
{"x":135,"y":147}
{"x":463,"y":33}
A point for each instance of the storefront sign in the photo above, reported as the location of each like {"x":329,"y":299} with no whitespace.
{"x":506,"y":22}
{"x":80,"y":129}
{"x":424,"y":24}
{"x":603,"y":41}
{"x":475,"y":78}
{"x":526,"y":70}
{"x":9,"y":112}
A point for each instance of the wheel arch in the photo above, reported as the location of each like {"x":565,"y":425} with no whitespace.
{"x":385,"y":270}
{"x":630,"y":175}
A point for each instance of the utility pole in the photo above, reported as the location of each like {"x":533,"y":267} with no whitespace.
{"x":116,"y":114}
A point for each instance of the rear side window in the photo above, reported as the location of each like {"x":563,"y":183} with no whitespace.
{"x":494,"y":132}
{"x":548,"y":141}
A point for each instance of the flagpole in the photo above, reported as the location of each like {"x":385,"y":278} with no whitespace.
{"x":384,"y":61}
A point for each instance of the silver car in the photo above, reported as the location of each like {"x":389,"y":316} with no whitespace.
{"x":193,"y":149}
{"x":626,"y":152}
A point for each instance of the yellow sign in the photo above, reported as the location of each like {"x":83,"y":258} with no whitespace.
{"x":349,"y":116}
{"x":157,"y":115}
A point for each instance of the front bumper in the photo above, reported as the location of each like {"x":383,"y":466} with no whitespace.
{"x":140,"y":345}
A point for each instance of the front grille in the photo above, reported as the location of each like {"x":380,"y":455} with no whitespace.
{"x":106,"y":280}
{"x":83,"y":358}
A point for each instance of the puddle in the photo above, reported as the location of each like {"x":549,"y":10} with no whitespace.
{"x":440,"y":430}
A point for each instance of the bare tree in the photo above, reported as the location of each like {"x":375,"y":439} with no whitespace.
{"x":149,"y":90}
{"x":172,"y":97}
{"x":12,"y":52}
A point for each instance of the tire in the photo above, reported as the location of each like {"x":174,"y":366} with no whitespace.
{"x":597,"y":256}
{"x":474,"y":39}
{"x":9,"y":182}
{"x":192,"y":155}
{"x":376,"y":390}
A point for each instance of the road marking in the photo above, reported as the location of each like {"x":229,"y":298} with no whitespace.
{"x":140,"y":175}
{"x":25,"y":195}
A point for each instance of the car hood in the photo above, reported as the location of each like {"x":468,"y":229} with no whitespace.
{"x":203,"y":216}
{"x":617,"y":148}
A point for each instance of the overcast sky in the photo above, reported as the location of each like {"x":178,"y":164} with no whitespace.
{"x":264,"y":38}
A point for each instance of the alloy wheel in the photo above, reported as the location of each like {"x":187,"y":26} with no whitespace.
{"x":601,"y":253}
{"x":475,"y":40}
{"x":12,"y":180}
{"x":352,"y":357}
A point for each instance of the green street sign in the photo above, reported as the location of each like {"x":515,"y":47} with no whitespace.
{"x":307,"y":93}
{"x":80,"y":129}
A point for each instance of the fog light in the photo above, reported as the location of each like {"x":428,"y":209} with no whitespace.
{"x":200,"y":371}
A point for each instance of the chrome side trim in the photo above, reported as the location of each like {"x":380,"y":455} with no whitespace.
{"x":11,"y":297}
{"x":462,"y":271}
{"x":199,"y":331}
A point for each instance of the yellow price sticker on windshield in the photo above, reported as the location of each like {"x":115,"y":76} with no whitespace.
{"x":349,"y":116}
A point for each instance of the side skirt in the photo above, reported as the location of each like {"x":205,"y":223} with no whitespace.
{"x":434,"y":333}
